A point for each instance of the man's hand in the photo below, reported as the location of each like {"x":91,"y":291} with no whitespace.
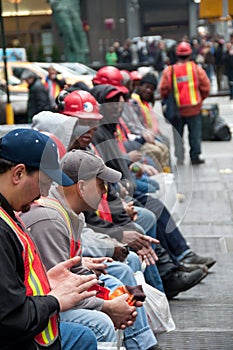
{"x":96,"y":264}
{"x":148,"y":136}
{"x":120,"y":252}
{"x":121,"y":314}
{"x":68,"y":288}
{"x":134,"y":156}
{"x":129,"y":208}
{"x":142,"y":245}
{"x":148,"y":255}
{"x":149,"y":169}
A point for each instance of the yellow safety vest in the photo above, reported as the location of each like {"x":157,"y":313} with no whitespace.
{"x":35,"y":279}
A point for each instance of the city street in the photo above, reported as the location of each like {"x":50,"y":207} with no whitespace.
{"x":203,"y":315}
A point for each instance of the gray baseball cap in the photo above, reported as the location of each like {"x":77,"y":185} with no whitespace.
{"x":84,"y":165}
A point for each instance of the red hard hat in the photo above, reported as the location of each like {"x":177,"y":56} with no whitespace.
{"x":110,"y":75}
{"x":183,"y":49}
{"x":81,"y":104}
{"x":135,"y":75}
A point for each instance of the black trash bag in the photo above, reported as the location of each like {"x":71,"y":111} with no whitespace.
{"x":209,"y":114}
{"x":221,"y":130}
{"x":214,"y":127}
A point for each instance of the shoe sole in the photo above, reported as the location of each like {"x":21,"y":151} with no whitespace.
{"x":210,"y":264}
{"x":175,"y":293}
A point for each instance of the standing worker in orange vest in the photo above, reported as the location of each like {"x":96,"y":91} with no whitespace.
{"x":191,"y":86}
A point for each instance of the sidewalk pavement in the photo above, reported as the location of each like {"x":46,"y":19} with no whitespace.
{"x":204,"y":314}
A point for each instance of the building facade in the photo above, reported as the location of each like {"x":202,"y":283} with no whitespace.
{"x":30,"y":24}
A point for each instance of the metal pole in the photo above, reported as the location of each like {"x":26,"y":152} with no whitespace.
{"x":225,"y":14}
{"x":9,"y":109}
{"x":17,"y":19}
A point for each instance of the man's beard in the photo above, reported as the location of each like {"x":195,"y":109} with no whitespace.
{"x":26,"y":208}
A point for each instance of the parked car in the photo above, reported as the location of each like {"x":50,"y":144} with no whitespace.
{"x":15,"y":70}
{"x":71,"y":76}
{"x":80,"y":68}
{"x":18,"y":101}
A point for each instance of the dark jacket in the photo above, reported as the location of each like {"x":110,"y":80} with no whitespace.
{"x":21,"y":317}
{"x":228,"y":62}
{"x":38,"y":99}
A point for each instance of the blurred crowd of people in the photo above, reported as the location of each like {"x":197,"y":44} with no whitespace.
{"x":213,"y":53}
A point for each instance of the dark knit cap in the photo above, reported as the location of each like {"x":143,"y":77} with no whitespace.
{"x":149,"y":78}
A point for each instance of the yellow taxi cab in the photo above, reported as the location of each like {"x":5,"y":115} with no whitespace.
{"x":70,"y":75}
{"x":15,"y":70}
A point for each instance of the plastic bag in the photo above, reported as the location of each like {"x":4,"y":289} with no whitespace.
{"x":118,"y":345}
{"x":156,"y":306}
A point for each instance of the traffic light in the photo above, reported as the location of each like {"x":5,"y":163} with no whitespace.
{"x":210,"y":9}
{"x":230,"y":7}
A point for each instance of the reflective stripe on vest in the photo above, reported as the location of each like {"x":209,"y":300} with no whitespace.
{"x":75,"y":248}
{"x":35,"y":280}
{"x":145,"y":110}
{"x":121,"y":135}
{"x":103,"y":210}
{"x":185,"y":82}
{"x":54,"y":90}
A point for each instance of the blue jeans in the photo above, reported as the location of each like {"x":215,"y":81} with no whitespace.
{"x":194,"y":124}
{"x":168,"y":233}
{"x":75,"y":336}
{"x":147,"y":220}
{"x":139,"y":335}
{"x":97,"y":321}
{"x":230,"y":82}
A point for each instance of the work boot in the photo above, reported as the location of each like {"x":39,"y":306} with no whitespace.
{"x":197,"y":161}
{"x":193,"y":258}
{"x":191,"y":267}
{"x":180,"y":281}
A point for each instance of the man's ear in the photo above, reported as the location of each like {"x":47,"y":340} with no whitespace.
{"x":80,"y":187}
{"x":17,"y":172}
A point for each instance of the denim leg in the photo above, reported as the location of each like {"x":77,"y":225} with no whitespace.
{"x":230,"y":82}
{"x":195,"y":128}
{"x":97,"y":321}
{"x":146,"y":219}
{"x":178,"y":131}
{"x":139,"y":335}
{"x":153,"y":278}
{"x":168,"y":233}
{"x":134,"y":262}
{"x":75,"y":336}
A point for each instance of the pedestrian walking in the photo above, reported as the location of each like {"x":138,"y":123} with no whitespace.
{"x":191,"y":86}
{"x":38,"y":97}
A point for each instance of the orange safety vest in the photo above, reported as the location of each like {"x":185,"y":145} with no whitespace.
{"x":55,"y":88}
{"x":75,"y":247}
{"x":121,"y":134}
{"x":185,"y":83}
{"x":149,"y":117}
{"x":35,"y":280}
{"x":103,"y":210}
